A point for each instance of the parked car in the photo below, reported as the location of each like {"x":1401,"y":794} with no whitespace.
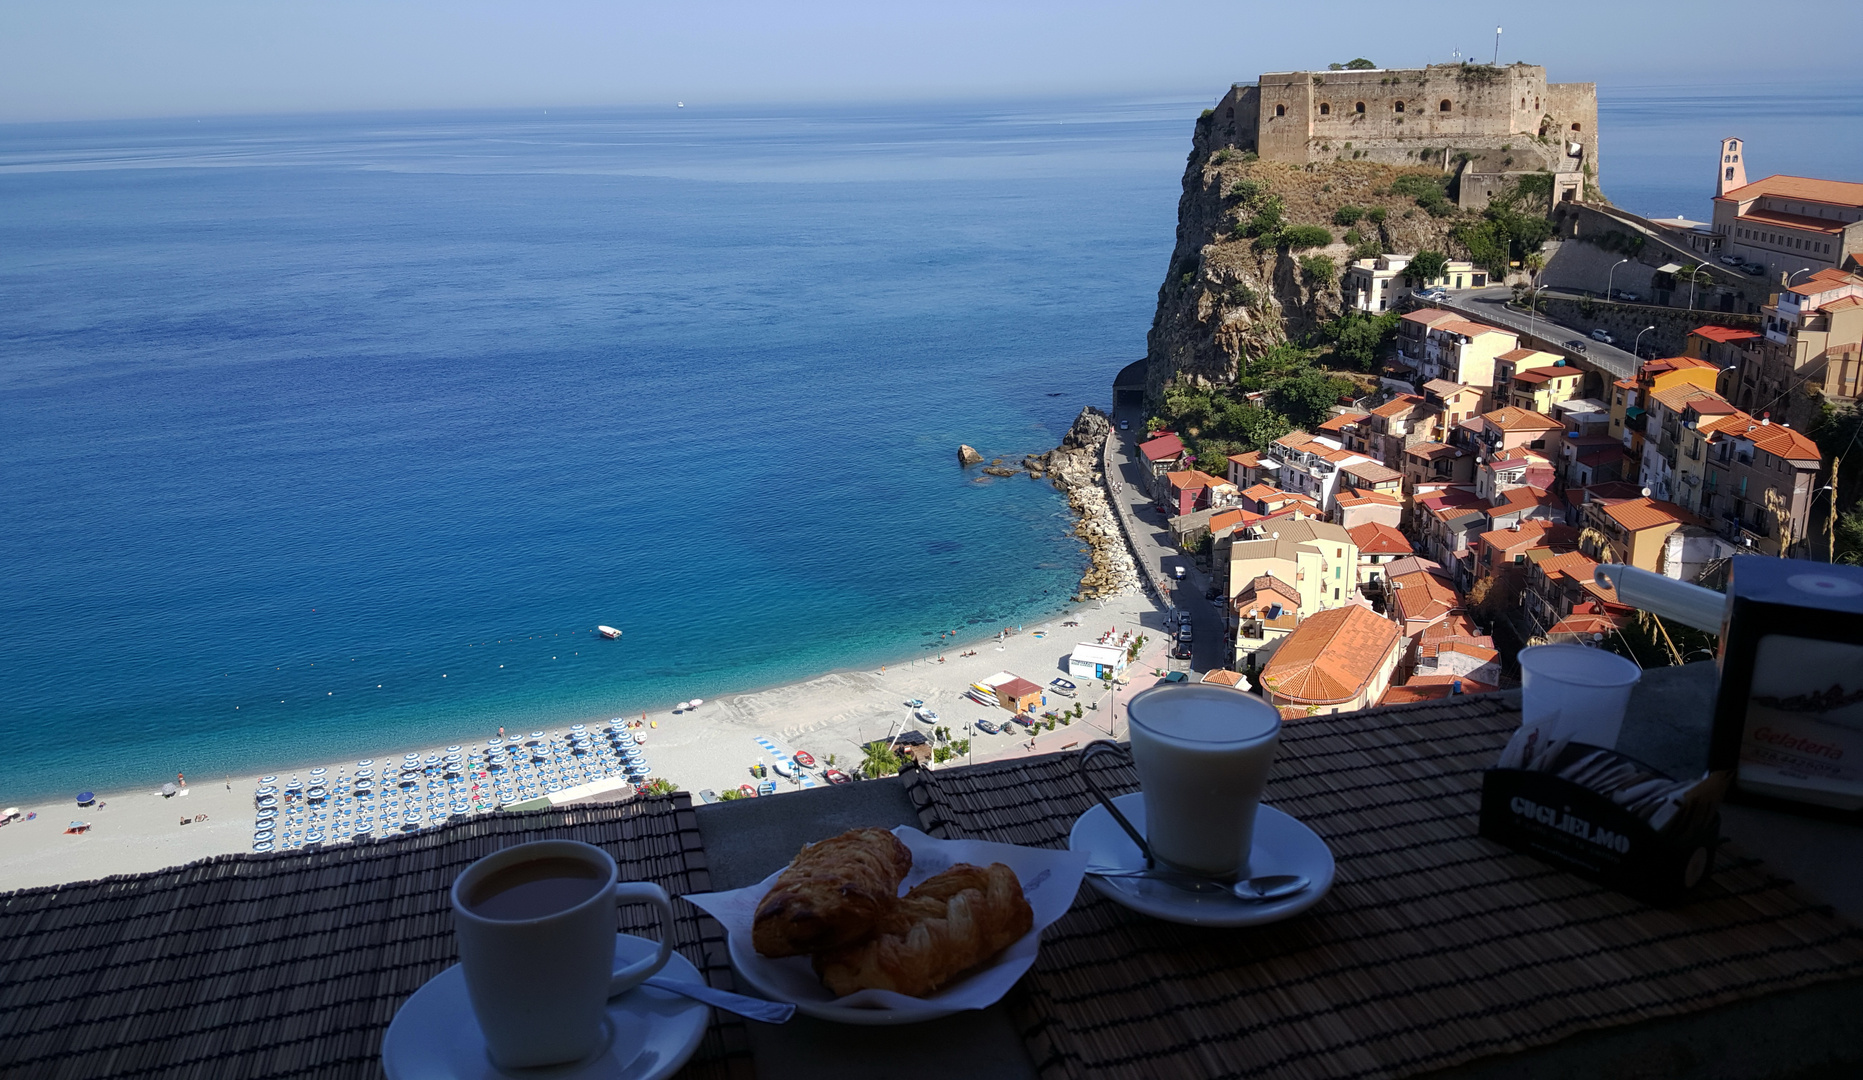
{"x":1733,"y":260}
{"x":1125,"y":425}
{"x":1180,"y":652}
{"x":1575,"y":345}
{"x":1434,"y":296}
{"x":707,"y":795}
{"x":1603,"y":335}
{"x":1211,"y":593}
{"x":835,"y":776}
{"x":1754,"y":269}
{"x":1627,"y":296}
{"x":988,"y":727}
{"x":1184,"y":633}
{"x":1178,"y":571}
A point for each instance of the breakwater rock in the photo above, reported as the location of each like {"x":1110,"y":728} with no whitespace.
{"x":967,"y":455}
{"x":1074,"y":468}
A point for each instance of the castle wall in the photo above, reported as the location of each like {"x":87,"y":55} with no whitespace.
{"x":1572,"y":104}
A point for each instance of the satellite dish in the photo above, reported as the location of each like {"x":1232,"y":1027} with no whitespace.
{"x":1646,"y":493}
{"x":1274,"y":536}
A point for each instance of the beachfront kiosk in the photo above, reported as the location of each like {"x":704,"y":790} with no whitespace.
{"x":1096,"y":661}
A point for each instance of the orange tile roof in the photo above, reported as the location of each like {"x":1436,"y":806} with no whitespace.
{"x":1422,"y":595}
{"x":1447,"y":388}
{"x":1675,"y":397}
{"x":1842,"y":303}
{"x":1535,"y":376}
{"x":1572,"y":564}
{"x":1784,"y":220}
{"x":1522,"y":498}
{"x":1469,"y":329}
{"x":1625,"y":384}
{"x":1230,"y":518}
{"x":1248,"y":461}
{"x":1832,"y":192}
{"x":1411,"y":695}
{"x":1372,"y":472}
{"x":1331,"y":657}
{"x":1193,"y":479}
{"x":1382,"y":498}
{"x":1339,"y":422}
{"x":1262,"y":491}
{"x":1724,"y":334}
{"x":1268,"y":583}
{"x":1639,"y":514}
{"x":1399,"y":405}
{"x":1519,"y":354}
{"x":1431,"y":316}
{"x":1531,"y":534}
{"x":1428,"y":451}
{"x":1224,"y":677}
{"x":1780,"y":441}
{"x":1516,"y":419}
{"x":1587,"y":625}
{"x":1377,"y":538}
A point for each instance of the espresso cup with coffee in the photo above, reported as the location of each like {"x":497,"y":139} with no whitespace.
{"x":536,"y":928}
{"x":1203,"y":754}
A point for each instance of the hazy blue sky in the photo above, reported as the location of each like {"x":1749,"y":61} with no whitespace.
{"x":71,"y":59}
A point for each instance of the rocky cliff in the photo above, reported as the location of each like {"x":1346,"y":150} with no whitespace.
{"x":1227,"y":296}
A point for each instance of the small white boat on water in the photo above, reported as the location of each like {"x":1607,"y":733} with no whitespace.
{"x":608,"y":632}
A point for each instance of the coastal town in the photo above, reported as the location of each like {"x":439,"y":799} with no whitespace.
{"x":1404,"y":547}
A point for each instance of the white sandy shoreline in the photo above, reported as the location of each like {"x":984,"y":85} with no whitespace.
{"x":712,"y":747}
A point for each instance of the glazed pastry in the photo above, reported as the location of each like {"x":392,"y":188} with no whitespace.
{"x":834,"y":893}
{"x":949,"y":924}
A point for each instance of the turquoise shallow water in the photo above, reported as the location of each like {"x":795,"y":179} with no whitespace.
{"x":326,"y":435}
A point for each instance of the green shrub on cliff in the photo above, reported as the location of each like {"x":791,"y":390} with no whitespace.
{"x":1319,"y":269}
{"x":1347,"y":216}
{"x":1375,"y":215}
{"x":1430,"y":192}
{"x":1247,"y":192}
{"x":1297,"y":237}
{"x":1359,"y":338}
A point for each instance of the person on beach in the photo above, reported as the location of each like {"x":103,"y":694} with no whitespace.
{"x":182,"y":780}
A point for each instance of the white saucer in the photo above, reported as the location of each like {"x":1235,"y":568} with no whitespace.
{"x":434,"y":1035}
{"x":1282,"y":845}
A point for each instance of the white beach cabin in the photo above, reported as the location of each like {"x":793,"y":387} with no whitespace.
{"x":1094,"y":661}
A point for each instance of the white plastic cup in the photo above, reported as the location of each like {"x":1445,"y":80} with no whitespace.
{"x":1203,"y":754}
{"x":1580,"y":692}
{"x":540,"y":986}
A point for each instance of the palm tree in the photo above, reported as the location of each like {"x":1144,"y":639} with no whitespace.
{"x":1533,"y":263}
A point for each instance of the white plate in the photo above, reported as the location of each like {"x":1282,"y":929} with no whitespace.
{"x":1050,"y":879}
{"x":1282,"y":845}
{"x":435,"y":1034}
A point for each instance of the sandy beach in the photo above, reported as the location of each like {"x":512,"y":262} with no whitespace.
{"x":711,"y":747}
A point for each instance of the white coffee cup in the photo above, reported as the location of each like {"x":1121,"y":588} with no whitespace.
{"x":1203,"y":754}
{"x":536,"y":929}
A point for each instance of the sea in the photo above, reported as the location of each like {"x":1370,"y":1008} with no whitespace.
{"x":326,"y":436}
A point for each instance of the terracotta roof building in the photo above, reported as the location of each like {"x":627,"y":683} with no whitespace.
{"x":1334,"y":661}
{"x":1785,"y":222}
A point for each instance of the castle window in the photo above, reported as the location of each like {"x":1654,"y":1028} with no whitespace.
{"x":1325,"y":109}
{"x":1443,"y":105}
{"x":1229,"y":114}
{"x":1399,"y":107}
{"x":1574,"y":127}
{"x":1360,"y":108}
{"x":1280,"y":110}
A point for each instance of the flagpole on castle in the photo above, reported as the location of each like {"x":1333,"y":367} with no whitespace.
{"x":1497,"y":45}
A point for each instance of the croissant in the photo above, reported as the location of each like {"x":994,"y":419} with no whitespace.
{"x":833,"y":893}
{"x":947,"y":925}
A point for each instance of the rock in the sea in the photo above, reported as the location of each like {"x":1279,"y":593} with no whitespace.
{"x":998,"y":470}
{"x":1088,"y":431}
{"x":967,"y":455}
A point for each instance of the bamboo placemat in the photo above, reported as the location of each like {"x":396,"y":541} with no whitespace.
{"x":292,"y":965}
{"x":1434,"y":947}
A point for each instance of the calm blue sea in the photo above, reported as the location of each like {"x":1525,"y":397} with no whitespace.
{"x":323,"y":436}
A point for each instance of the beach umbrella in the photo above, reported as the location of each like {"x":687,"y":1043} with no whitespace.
{"x":85,"y":798}
{"x":365,"y":763}
{"x":268,"y":779}
{"x":319,"y":771}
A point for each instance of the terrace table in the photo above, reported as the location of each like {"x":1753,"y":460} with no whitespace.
{"x":1437,"y":953}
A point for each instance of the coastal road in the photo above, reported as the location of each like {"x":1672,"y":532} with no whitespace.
{"x":1490,"y":306}
{"x":1151,"y":537}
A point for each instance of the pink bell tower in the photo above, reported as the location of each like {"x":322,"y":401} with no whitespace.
{"x":1733,"y":174}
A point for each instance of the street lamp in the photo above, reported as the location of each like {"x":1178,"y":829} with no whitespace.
{"x":1608,"y":294}
{"x":1795,"y":273}
{"x":1636,"y":347}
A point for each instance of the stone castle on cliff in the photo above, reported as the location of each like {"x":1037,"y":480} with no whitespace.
{"x":1490,"y":125}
